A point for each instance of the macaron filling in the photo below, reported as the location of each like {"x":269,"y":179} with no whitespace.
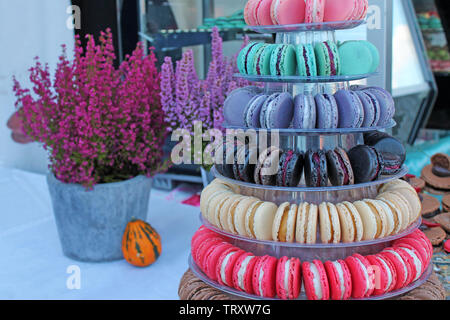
{"x":316,"y":281}
{"x":223,"y":267}
{"x":287,"y":266}
{"x":344,"y":168}
{"x":331,"y":55}
{"x":340,"y":273}
{"x":388,"y":272}
{"x":242,"y":271}
{"x":400,"y":259}
{"x":260,"y":281}
{"x":366,"y":275}
{"x":305,"y":56}
{"x":417,"y":262}
{"x":286,"y":163}
{"x":247,"y":55}
{"x":316,"y":159}
{"x":279,"y":58}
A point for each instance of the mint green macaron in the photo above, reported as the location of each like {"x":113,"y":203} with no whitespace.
{"x":358,"y":57}
{"x":283,"y":61}
{"x":327,"y":59}
{"x":261,"y":65}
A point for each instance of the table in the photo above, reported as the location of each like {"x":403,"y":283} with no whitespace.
{"x":32,"y":265}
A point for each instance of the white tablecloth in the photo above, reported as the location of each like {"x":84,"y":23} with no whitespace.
{"x":32,"y":265}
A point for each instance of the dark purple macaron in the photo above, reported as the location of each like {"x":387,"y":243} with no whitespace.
{"x":234,"y":105}
{"x":387,"y":105}
{"x":385,"y":144}
{"x":350,"y":108}
{"x":245,"y":163}
{"x":304,"y":112}
{"x":327,"y":111}
{"x":371,"y":108}
{"x":225,"y":158}
{"x":253,"y":111}
{"x":367,"y":163}
{"x":267,"y":167}
{"x":290,"y":169}
{"x":316,"y":172}
{"x":391,"y":164}
{"x":340,"y":170}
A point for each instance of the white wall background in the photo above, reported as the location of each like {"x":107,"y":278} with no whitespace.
{"x":28,"y":28}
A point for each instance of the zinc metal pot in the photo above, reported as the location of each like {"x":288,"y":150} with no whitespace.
{"x":91,"y":223}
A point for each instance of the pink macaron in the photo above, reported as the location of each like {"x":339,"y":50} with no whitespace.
{"x":385,"y":276}
{"x":264,"y":275}
{"x":243,"y":272}
{"x":341,"y":10}
{"x":289,"y":278}
{"x":211,"y":259}
{"x":288,"y":12}
{"x":339,"y":279}
{"x":364,"y":9}
{"x":315,"y":280}
{"x":225,"y":265}
{"x":314,"y":11}
{"x":199,"y":251}
{"x":250,"y":12}
{"x":262,"y":12}
{"x":414,"y":259}
{"x":419,"y":235}
{"x":418,"y":246}
{"x":402,"y":268}
{"x":202,"y":233}
{"x":362,"y":276}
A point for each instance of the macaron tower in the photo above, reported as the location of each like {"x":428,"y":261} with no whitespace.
{"x":321,"y":212}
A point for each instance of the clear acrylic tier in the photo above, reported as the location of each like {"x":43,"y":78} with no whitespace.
{"x":239,"y":294}
{"x":301,"y":79}
{"x":319,"y":26}
{"x":320,"y":194}
{"x":309,"y":252}
{"x":313,"y":132}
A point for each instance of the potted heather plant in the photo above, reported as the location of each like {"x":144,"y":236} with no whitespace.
{"x":104,"y":129}
{"x":186,"y":99}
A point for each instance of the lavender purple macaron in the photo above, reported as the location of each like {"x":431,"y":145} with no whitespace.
{"x":327,"y":111}
{"x":350,"y":108}
{"x":304,"y":112}
{"x":234,"y":105}
{"x":277,"y":112}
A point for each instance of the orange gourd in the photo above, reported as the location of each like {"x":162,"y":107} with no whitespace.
{"x":141,"y":244}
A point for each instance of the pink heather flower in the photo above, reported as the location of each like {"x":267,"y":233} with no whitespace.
{"x":99,"y":124}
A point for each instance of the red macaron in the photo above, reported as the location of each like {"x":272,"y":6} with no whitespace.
{"x":421,"y":249}
{"x":385,"y":276}
{"x":264,"y":275}
{"x":362,"y":276}
{"x":414,"y":259}
{"x":211,"y":258}
{"x":225,"y":265}
{"x":243,"y":272}
{"x":315,"y":280}
{"x":199,"y":251}
{"x":339,"y":279}
{"x":289,"y":278}
{"x":419,"y":235}
{"x":403,"y":269}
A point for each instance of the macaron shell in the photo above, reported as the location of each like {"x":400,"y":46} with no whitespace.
{"x":356,"y":58}
{"x":262,"y":60}
{"x":238,"y":221}
{"x":291,"y":279}
{"x":340,"y":282}
{"x":280,"y":112}
{"x":368,"y":219}
{"x":415,"y":260}
{"x":233,"y":110}
{"x":326,"y":111}
{"x":212,"y":257}
{"x":288,"y":12}
{"x":264,"y":277}
{"x":304,"y":112}
{"x":361,"y":276}
{"x":243,"y":273}
{"x":283,"y":61}
{"x":249,"y":219}
{"x":346,"y":221}
{"x":263,"y":17}
{"x":380,"y":216}
{"x":402,"y":267}
{"x":399,"y":204}
{"x":330,"y":228}
{"x":315,"y":280}
{"x":263,"y":221}
{"x":249,"y":12}
{"x":225,"y":265}
{"x":418,"y":247}
{"x":396,"y":215}
{"x":280,"y":215}
{"x":306,"y":60}
{"x":203,"y":248}
{"x":341,"y":10}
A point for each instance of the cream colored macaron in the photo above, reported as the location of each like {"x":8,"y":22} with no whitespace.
{"x":352,"y":228}
{"x":223,"y":208}
{"x":227,"y":213}
{"x":330,"y":227}
{"x":212,"y":188}
{"x":400,"y":204}
{"x":249,"y":220}
{"x":283,"y":228}
{"x":408,"y":192}
{"x":263,"y":221}
{"x":390,"y":226}
{"x":396,"y":215}
{"x":306,"y":226}
{"x":382,"y":221}
{"x":237,"y":220}
{"x":370,"y":220}
{"x":215,"y":203}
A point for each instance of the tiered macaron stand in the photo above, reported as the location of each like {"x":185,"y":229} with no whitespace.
{"x":302,"y":140}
